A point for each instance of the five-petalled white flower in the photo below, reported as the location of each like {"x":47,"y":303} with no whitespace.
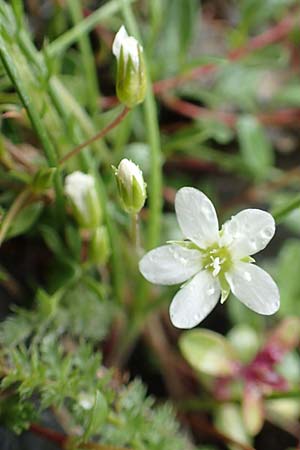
{"x":211,"y":263}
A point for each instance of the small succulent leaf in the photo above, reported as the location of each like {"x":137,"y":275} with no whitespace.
{"x":208,"y":352}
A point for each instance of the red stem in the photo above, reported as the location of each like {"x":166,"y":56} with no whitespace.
{"x":48,"y":434}
{"x":97,"y":136}
{"x":282,"y":117}
{"x":270,"y":36}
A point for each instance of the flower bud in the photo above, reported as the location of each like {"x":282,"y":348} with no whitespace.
{"x":131,"y":73}
{"x":99,"y":249}
{"x":81,"y":190}
{"x":131,"y":186}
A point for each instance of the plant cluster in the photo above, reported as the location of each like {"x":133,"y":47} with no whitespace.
{"x":121,"y":120}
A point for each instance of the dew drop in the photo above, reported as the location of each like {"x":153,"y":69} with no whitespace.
{"x":267,"y":233}
{"x":247,"y":276}
{"x":197,"y":317}
{"x":210,"y":291}
{"x":253,"y":243}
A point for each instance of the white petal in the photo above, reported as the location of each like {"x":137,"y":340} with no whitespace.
{"x":248,"y":232}
{"x":170,"y":264}
{"x":120,"y":37}
{"x":195,"y":300}
{"x":254,"y":287}
{"x":196,"y":216}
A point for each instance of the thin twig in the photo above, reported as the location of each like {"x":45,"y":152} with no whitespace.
{"x":97,"y":136}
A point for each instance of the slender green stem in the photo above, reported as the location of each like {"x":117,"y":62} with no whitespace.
{"x":85,"y":26}
{"x":97,"y":136}
{"x":155,"y":184}
{"x":284,"y":210}
{"x":88,"y":62}
{"x":135,"y":233}
{"x":13,"y":211}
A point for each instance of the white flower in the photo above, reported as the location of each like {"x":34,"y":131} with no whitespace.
{"x":212,"y":262}
{"x":80,"y":188}
{"x":130,"y":46}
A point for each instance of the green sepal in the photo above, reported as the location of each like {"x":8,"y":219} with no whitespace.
{"x":138,"y":195}
{"x":248,"y":259}
{"x":131,"y":83}
{"x":225,"y":288}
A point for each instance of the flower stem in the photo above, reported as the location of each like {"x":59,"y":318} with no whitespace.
{"x":135,"y":233}
{"x":15,"y":208}
{"x":155,"y":184}
{"x":94,"y":138}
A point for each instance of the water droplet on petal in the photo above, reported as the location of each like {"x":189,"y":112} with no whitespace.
{"x":210,"y":291}
{"x":197,"y":317}
{"x":247,"y":276}
{"x":253,"y":243}
{"x":267,"y":233}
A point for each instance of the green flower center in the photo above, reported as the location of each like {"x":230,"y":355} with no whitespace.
{"x":216,"y":259}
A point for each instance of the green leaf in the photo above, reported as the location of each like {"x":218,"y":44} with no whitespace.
{"x":97,"y":416}
{"x":255,"y":147}
{"x":53,"y":240}
{"x":208,"y":352}
{"x":253,"y":409}
{"x":229,"y":420}
{"x":288,"y":269}
{"x":179,"y":25}
{"x":25,"y":219}
{"x":246,"y":341}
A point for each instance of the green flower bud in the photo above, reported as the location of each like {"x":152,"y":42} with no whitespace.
{"x":131,"y":186}
{"x":81,"y":190}
{"x":131,"y":73}
{"x":99,"y":249}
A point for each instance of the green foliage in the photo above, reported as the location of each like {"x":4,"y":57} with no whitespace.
{"x":25,"y":219}
{"x":233,"y":134}
{"x":208,"y":352}
{"x":17,"y":415}
{"x":123,"y":415}
{"x":288,"y":266}
{"x":255,"y":147}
